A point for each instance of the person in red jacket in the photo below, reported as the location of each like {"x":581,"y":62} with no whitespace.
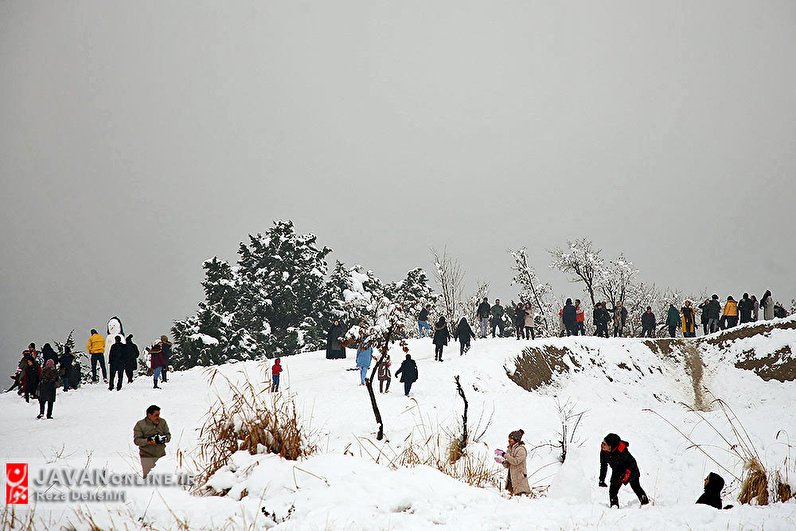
{"x":275,"y":370}
{"x":580,"y":319}
{"x":157,"y":361}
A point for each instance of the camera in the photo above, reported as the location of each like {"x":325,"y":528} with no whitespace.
{"x":158,"y":439}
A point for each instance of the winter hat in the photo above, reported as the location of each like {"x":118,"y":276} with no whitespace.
{"x":715,"y":483}
{"x":612,"y":440}
{"x":516,"y":435}
{"x":569,"y":301}
{"x":50,"y":363}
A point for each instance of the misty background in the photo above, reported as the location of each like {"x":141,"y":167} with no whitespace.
{"x":138,"y":139}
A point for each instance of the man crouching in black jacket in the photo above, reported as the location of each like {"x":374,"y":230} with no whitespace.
{"x":613,"y":452}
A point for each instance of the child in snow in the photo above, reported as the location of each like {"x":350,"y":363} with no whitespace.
{"x":613,"y":452}
{"x":514,"y":459}
{"x":712,"y":495}
{"x":384,"y":375}
{"x":275,"y":371}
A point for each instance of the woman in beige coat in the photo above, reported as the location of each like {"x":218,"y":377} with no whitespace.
{"x":515,"y":457}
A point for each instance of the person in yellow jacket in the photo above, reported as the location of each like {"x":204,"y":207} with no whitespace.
{"x":96,"y":349}
{"x":729,"y":317}
{"x":688,"y":319}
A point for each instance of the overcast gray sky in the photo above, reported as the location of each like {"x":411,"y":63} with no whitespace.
{"x":139,"y":138}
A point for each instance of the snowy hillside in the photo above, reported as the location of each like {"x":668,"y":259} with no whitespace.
{"x":615,"y":382}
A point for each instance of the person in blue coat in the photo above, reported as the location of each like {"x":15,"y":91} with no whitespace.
{"x":364,"y":358}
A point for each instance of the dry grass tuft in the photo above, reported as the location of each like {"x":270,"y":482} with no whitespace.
{"x":251,"y":419}
{"x":782,"y":490}
{"x":755,"y":483}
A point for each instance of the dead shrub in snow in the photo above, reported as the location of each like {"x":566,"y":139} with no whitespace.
{"x":755,"y":484}
{"x":251,"y":419}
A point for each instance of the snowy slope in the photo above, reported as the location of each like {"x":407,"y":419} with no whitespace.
{"x":343,"y":488}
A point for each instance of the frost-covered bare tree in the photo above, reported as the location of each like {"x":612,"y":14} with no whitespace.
{"x":538,"y":293}
{"x":582,"y":262}
{"x":450,"y":277}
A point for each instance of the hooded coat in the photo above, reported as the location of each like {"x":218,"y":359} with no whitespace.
{"x":689,"y":319}
{"x":515,"y":458}
{"x":672,"y":316}
{"x":408,"y":371}
{"x":47,"y":383}
{"x":712,"y":494}
{"x":131,"y":354}
{"x":569,"y":315}
{"x":623,"y":465}
{"x":441,"y":334}
{"x":463,"y":331}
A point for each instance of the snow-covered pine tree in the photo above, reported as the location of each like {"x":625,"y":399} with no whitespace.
{"x":412,"y":294}
{"x":213,"y":335}
{"x":281,"y":286}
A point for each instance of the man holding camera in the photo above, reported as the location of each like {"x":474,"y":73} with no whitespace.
{"x":151,"y":434}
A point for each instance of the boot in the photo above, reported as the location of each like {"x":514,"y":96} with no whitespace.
{"x":644,"y":500}
{"x":615,"y":502}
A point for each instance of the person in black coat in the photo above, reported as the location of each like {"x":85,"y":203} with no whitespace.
{"x":30,"y":377}
{"x":601,"y":318}
{"x":614,"y":453}
{"x":117,"y":360}
{"x":745,"y":308}
{"x":408,"y":373}
{"x":484,"y":312}
{"x":712,"y":495}
{"x":441,"y":337}
{"x":463,"y":334}
{"x":334,"y":349}
{"x":47,"y":384}
{"x":65,"y":361}
{"x":48,"y":353}
{"x":648,"y":323}
{"x":569,"y":316}
{"x":519,"y":319}
{"x":131,"y":358}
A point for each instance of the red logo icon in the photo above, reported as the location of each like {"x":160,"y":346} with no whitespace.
{"x":17,"y":483}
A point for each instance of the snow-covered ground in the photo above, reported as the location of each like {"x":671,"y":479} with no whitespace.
{"x":342,"y":487}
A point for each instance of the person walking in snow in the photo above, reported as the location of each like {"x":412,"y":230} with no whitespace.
{"x":463,"y":334}
{"x":334,"y":346}
{"x":688,"y":319}
{"x":755,"y":308}
{"x":745,"y":308}
{"x":96,"y":350}
{"x":47,"y":384}
{"x":156,"y":362}
{"x":441,"y":337}
{"x":514,"y":459}
{"x":116,"y":362}
{"x":408,"y":373}
{"x":519,"y":319}
{"x":131,"y":354}
{"x":423,"y":327}
{"x":65,"y":361}
{"x":364,"y":358}
{"x":648,"y":323}
{"x":484,"y":311}
{"x":767,"y":304}
{"x":580,"y":319}
{"x":569,"y":317}
{"x":705,"y":316}
{"x":384,"y":376}
{"x":712,"y":496}
{"x":151,"y":434}
{"x":530,"y":319}
{"x":276,"y":370}
{"x":497,"y":318}
{"x":624,"y":470}
{"x":672,"y":320}
{"x":729,"y":316}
